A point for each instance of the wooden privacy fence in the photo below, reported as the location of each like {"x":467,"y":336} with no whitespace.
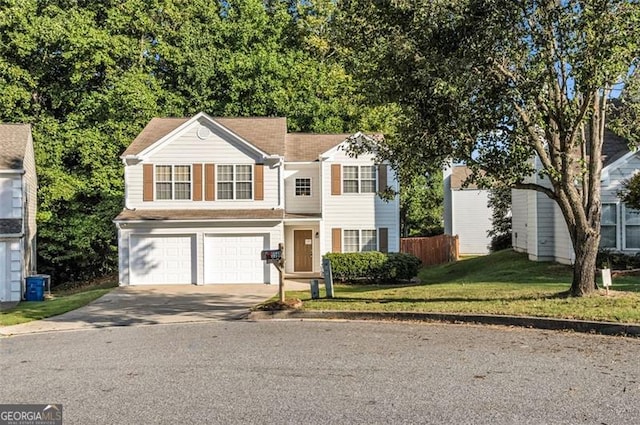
{"x":432,"y":250}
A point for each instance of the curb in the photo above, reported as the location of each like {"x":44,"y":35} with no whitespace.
{"x":604,"y":328}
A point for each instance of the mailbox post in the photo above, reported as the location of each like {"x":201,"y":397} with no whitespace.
{"x":276,"y":257}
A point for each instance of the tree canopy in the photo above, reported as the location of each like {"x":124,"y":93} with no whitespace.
{"x":90,"y":74}
{"x":495,"y":83}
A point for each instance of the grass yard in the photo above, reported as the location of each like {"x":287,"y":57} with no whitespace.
{"x":502,"y":283}
{"x":62,"y":300}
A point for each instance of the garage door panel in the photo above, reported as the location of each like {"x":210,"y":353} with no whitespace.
{"x":161,"y":259}
{"x":235,"y":259}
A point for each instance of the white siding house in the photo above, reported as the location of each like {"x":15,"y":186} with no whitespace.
{"x":203,"y":197}
{"x":18,"y":200}
{"x":539,"y":228}
{"x":466,"y":211}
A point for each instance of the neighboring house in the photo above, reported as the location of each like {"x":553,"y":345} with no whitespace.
{"x":539,"y":228}
{"x":203,"y":197}
{"x":18,"y":189}
{"x":466,"y":211}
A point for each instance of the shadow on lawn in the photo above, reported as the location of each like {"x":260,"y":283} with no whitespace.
{"x":559,"y":295}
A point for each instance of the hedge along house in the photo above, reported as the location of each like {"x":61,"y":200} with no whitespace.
{"x":539,"y":229}
{"x":203,"y":197}
{"x":18,"y":202}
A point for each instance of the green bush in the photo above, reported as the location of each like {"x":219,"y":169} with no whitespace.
{"x":617,"y":260}
{"x":373,"y":266}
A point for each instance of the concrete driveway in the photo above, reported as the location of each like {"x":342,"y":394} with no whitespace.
{"x":158,"y":304}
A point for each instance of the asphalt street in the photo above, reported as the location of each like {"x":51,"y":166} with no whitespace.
{"x":312,"y":372}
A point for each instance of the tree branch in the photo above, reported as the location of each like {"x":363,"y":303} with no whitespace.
{"x":538,"y":188}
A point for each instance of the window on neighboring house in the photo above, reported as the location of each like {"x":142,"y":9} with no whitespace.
{"x":631,"y":228}
{"x":235,"y":181}
{"x":173,"y":182}
{"x":359,"y":179}
{"x":303,"y":186}
{"x":608,"y":226}
{"x":360,"y":240}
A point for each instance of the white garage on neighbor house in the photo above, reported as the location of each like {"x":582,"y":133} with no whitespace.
{"x":204,"y":196}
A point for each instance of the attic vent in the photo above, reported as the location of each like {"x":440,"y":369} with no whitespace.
{"x":204,"y":132}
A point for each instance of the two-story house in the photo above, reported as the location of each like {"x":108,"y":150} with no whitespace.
{"x":203,"y":197}
{"x":18,"y":200}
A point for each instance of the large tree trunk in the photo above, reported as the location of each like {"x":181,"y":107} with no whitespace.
{"x":585,"y":247}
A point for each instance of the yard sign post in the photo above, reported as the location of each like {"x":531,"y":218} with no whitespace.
{"x":276,"y":257}
{"x":606,"y":279}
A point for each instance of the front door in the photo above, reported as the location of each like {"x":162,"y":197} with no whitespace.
{"x":303,"y":250}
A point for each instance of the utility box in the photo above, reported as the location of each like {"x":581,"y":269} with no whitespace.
{"x":35,"y":288}
{"x":315,"y":289}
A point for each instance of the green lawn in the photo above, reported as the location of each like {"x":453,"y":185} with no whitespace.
{"x":61,"y":302}
{"x":501,"y":283}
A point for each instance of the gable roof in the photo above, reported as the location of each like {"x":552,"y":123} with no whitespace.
{"x":13,"y":145}
{"x":304,"y":147}
{"x":459,"y":174}
{"x":269,"y":134}
{"x":614,"y":147}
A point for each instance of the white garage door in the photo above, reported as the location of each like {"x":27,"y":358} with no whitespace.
{"x":161,"y":260}
{"x":234,"y":259}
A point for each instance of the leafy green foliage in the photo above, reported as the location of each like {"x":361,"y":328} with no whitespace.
{"x":421,"y":205}
{"x":373,"y":266}
{"x":90,"y":75}
{"x":495,"y":83}
{"x":618,"y":260}
{"x":500,"y":232}
{"x":630,"y":192}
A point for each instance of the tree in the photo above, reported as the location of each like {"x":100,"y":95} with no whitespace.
{"x":495,"y":83}
{"x":500,"y":204}
{"x":421,"y":205}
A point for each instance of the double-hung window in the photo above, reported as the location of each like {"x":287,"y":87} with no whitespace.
{"x":608,"y":226}
{"x":360,"y":240}
{"x":173,"y":182}
{"x":631,"y":228}
{"x":235,"y":181}
{"x":303,"y":186}
{"x":359,"y":179}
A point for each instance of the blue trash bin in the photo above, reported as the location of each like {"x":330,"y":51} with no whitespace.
{"x":35,"y":288}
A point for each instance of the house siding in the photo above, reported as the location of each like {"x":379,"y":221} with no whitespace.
{"x":302,"y":204}
{"x":30,"y":198}
{"x":361,"y":211}
{"x":471,"y":220}
{"x":519,"y":209}
{"x":188,"y":149}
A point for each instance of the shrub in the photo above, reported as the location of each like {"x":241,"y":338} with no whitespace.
{"x":373,"y":266}
{"x":617,"y":260}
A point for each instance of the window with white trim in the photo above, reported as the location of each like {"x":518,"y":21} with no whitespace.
{"x":359,"y":179}
{"x":303,"y":186}
{"x":173,"y":182}
{"x":631,"y":228}
{"x":235,"y":181}
{"x":608,"y":226}
{"x":360,"y":240}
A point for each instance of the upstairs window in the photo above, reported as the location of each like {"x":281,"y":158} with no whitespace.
{"x":303,"y":186}
{"x":235,"y":182}
{"x":359,"y":179}
{"x":173,"y":182}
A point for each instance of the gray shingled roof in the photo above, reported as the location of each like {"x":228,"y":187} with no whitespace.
{"x":13,"y":145}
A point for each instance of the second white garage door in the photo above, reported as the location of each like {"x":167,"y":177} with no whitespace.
{"x":161,"y":259}
{"x":234,"y":259}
